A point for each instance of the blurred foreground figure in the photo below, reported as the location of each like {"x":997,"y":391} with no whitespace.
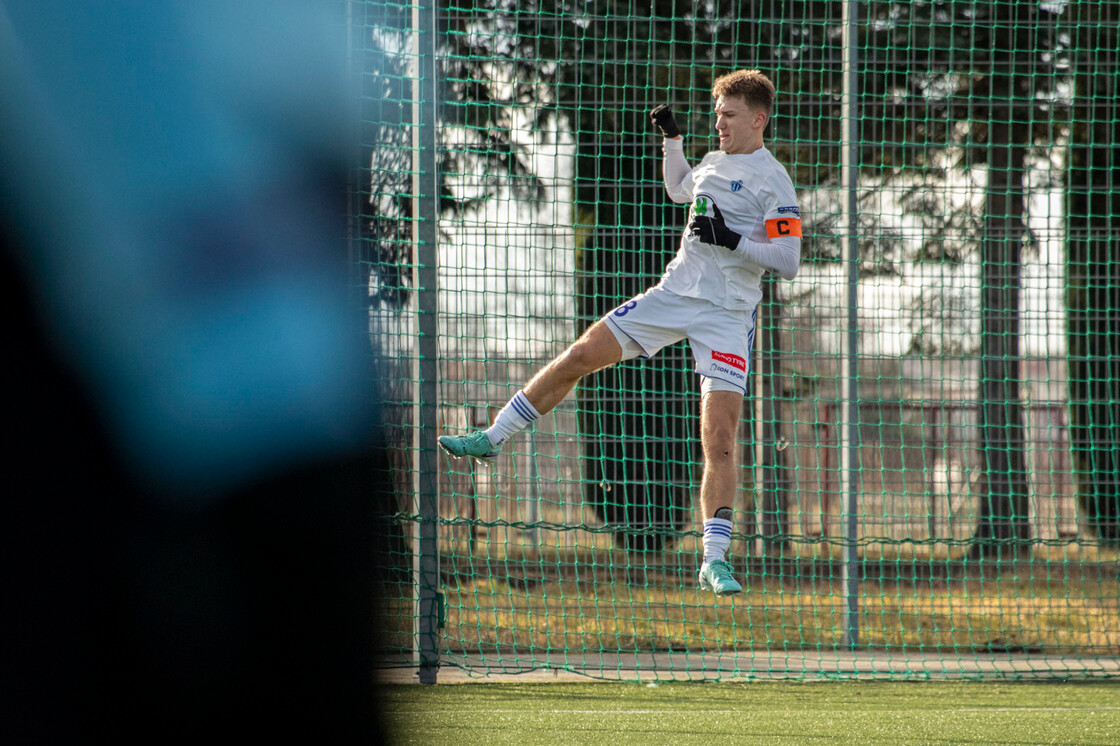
{"x":192,"y":444}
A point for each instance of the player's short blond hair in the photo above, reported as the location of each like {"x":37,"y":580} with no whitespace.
{"x":750,"y":85}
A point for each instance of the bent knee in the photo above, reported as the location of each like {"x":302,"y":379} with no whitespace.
{"x":576,"y":362}
{"x":590,"y":354}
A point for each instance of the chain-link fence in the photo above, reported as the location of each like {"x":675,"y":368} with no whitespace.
{"x":979,"y":214}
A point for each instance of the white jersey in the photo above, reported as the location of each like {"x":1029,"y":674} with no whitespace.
{"x":756,"y":198}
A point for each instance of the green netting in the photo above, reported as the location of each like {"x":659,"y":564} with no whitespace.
{"x":988,"y":367}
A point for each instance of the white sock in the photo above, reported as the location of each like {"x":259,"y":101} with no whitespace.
{"x":717,"y":539}
{"x":514,"y":417}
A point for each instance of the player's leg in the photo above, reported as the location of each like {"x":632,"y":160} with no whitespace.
{"x":719,"y":421}
{"x":638,"y":327}
{"x":721,"y":342}
{"x":596,"y":349}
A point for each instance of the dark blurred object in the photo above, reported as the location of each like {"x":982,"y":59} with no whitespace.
{"x":129,"y":617}
{"x":192,"y":448}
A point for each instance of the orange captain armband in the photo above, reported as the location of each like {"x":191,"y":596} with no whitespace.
{"x":783,"y":227}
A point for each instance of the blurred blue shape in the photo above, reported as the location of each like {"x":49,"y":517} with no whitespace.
{"x":177,"y":172}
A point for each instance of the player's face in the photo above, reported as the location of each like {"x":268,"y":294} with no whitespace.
{"x":738,"y":125}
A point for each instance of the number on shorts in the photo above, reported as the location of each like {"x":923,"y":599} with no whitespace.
{"x":625,"y":308}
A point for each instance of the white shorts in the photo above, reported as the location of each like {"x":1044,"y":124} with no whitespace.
{"x":721,"y":339}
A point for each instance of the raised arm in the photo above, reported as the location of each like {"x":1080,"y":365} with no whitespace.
{"x":674,"y":168}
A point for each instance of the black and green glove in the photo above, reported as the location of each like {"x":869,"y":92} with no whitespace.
{"x":708,"y":225}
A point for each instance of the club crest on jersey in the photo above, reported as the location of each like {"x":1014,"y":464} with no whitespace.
{"x":736,"y":185}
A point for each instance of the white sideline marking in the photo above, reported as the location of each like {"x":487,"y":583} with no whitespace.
{"x":1032,"y":709}
{"x":460,"y":711}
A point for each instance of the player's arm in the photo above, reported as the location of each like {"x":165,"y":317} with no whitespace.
{"x":674,"y":168}
{"x":782,"y":255}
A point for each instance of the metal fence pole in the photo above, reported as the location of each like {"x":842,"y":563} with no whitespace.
{"x":848,"y":430}
{"x":426,"y":361}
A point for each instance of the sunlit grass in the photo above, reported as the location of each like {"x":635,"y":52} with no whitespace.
{"x":487,"y":613}
{"x":1064,"y":600}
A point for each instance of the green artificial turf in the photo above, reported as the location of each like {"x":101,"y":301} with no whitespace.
{"x":849,"y":712}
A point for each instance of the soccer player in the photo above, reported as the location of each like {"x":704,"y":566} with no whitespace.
{"x":743,"y":221}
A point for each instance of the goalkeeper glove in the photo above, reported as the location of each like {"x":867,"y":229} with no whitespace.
{"x":662,"y":118}
{"x":711,"y":228}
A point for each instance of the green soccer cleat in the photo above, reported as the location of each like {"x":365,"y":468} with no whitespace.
{"x":476,"y":444}
{"x":716,"y":576}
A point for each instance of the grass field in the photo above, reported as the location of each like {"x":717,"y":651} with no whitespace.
{"x":850,"y":712}
{"x":1048,"y":606}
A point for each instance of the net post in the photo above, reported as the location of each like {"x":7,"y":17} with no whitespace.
{"x":426,"y":571}
{"x":848,"y":430}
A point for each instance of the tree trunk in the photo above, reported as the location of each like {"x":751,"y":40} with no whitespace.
{"x":774,"y":457}
{"x":1005,"y":510}
{"x":637,"y":420}
{"x":1093,"y":271}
